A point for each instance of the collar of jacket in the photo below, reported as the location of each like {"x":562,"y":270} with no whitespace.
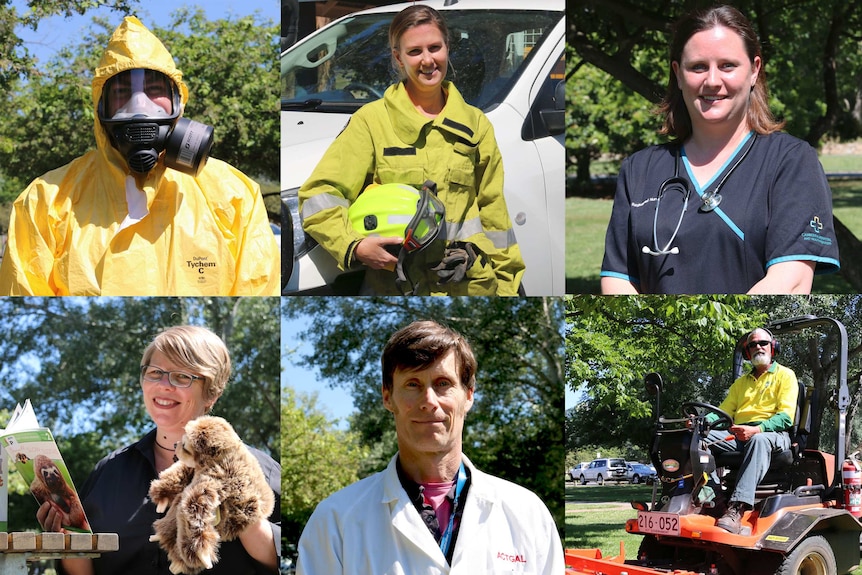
{"x":457,"y":117}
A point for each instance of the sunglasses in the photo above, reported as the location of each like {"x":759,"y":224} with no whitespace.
{"x":759,"y":343}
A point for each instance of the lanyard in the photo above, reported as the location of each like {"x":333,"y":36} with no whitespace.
{"x":446,"y":538}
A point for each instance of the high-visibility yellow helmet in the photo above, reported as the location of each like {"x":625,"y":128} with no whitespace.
{"x":399,"y":210}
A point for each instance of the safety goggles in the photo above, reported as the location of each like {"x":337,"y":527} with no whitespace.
{"x":424,"y":226}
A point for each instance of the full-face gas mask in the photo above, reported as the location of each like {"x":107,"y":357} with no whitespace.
{"x":140,"y":109}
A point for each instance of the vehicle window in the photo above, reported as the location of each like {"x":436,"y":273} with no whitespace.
{"x":349,"y":64}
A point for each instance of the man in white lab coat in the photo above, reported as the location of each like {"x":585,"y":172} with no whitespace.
{"x":430,"y":511}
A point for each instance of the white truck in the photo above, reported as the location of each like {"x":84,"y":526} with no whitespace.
{"x":508,"y":59}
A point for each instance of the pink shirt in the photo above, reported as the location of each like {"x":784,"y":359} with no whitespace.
{"x":435,"y":496}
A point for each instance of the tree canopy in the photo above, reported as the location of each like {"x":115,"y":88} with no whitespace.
{"x":316,"y":461}
{"x":514,"y":429}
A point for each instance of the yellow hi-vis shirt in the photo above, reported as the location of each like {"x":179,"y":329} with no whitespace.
{"x":772,"y":394}
{"x":389,"y":141}
{"x":91,"y":228}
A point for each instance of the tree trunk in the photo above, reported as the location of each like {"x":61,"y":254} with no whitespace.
{"x":830,"y":79}
{"x":582,"y":159}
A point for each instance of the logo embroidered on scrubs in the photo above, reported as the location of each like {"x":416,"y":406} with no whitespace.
{"x":202,"y":265}
{"x":816,"y":224}
{"x":814,"y":236}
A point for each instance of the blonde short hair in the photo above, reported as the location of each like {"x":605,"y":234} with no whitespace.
{"x":197,"y":349}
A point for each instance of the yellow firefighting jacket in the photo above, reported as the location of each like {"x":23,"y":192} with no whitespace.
{"x":389,"y":141}
{"x":91,"y":228}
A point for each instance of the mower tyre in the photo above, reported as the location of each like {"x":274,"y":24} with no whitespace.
{"x":811,"y":557}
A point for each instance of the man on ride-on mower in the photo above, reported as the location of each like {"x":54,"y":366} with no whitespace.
{"x":762,"y":404}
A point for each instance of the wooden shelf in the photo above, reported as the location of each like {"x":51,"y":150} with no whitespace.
{"x":24,"y":541}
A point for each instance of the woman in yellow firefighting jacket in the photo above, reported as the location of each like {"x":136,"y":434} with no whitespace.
{"x":421,"y":130}
{"x":118,"y":221}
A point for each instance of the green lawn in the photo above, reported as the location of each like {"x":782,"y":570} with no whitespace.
{"x":596,"y":516}
{"x":587,"y":220}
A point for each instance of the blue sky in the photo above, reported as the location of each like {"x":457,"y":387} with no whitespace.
{"x":336,"y":403}
{"x":58,"y":32}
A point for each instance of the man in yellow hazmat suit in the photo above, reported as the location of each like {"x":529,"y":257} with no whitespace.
{"x":145,"y":213}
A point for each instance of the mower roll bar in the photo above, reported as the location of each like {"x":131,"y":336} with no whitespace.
{"x":796,"y":324}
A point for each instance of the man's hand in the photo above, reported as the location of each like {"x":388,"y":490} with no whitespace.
{"x":744,"y":432}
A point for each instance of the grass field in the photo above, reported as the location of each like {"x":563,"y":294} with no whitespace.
{"x":587,"y":220}
{"x":596,"y":516}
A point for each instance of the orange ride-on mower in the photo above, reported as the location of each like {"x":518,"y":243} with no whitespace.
{"x":805,"y":518}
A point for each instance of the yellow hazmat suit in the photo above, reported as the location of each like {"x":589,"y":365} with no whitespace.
{"x":389,"y":141}
{"x":91,"y":228}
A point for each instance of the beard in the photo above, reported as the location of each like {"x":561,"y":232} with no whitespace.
{"x":760,"y":359}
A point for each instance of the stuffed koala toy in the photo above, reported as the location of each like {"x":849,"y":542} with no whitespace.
{"x":214,"y":491}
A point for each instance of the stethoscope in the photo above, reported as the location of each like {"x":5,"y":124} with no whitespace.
{"x":709,"y":201}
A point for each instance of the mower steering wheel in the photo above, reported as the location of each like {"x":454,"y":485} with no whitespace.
{"x":724,"y":420}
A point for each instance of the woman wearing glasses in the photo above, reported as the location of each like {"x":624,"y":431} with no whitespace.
{"x":422,"y":129}
{"x":183,"y":373}
{"x":731,"y":205}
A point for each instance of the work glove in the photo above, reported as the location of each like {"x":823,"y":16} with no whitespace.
{"x":457,"y":259}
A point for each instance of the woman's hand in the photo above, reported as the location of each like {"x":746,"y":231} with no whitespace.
{"x":372,"y":252}
{"x":793,"y":277}
{"x":51,"y":517}
{"x":259,"y":543}
{"x":617,"y":286}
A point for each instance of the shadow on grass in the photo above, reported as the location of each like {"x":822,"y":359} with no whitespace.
{"x":583,"y":285}
{"x":846,"y":193}
{"x":607,"y":493}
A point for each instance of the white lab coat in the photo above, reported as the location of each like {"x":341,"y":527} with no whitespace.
{"x":372,"y":528}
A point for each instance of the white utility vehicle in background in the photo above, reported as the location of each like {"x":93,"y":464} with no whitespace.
{"x":507,"y":59}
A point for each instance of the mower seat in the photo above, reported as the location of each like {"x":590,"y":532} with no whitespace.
{"x":782,"y":460}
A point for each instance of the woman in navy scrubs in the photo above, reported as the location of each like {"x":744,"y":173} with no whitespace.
{"x":732,"y":204}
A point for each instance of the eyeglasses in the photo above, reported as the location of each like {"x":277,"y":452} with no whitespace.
{"x":758,"y":343}
{"x":154,"y":374}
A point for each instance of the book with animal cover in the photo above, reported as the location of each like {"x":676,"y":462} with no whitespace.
{"x":33,"y":451}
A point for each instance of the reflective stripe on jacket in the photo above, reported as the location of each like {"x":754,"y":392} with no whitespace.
{"x":389,"y":141}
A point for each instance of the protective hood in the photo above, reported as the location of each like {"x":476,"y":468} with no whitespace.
{"x":132,"y":45}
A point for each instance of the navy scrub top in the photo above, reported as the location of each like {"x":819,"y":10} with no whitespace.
{"x":776,"y":206}
{"x":115,"y":499}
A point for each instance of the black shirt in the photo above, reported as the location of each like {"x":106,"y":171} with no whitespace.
{"x":116,"y":501}
{"x":776,"y":207}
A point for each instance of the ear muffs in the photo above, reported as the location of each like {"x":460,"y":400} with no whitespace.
{"x":774,"y":347}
